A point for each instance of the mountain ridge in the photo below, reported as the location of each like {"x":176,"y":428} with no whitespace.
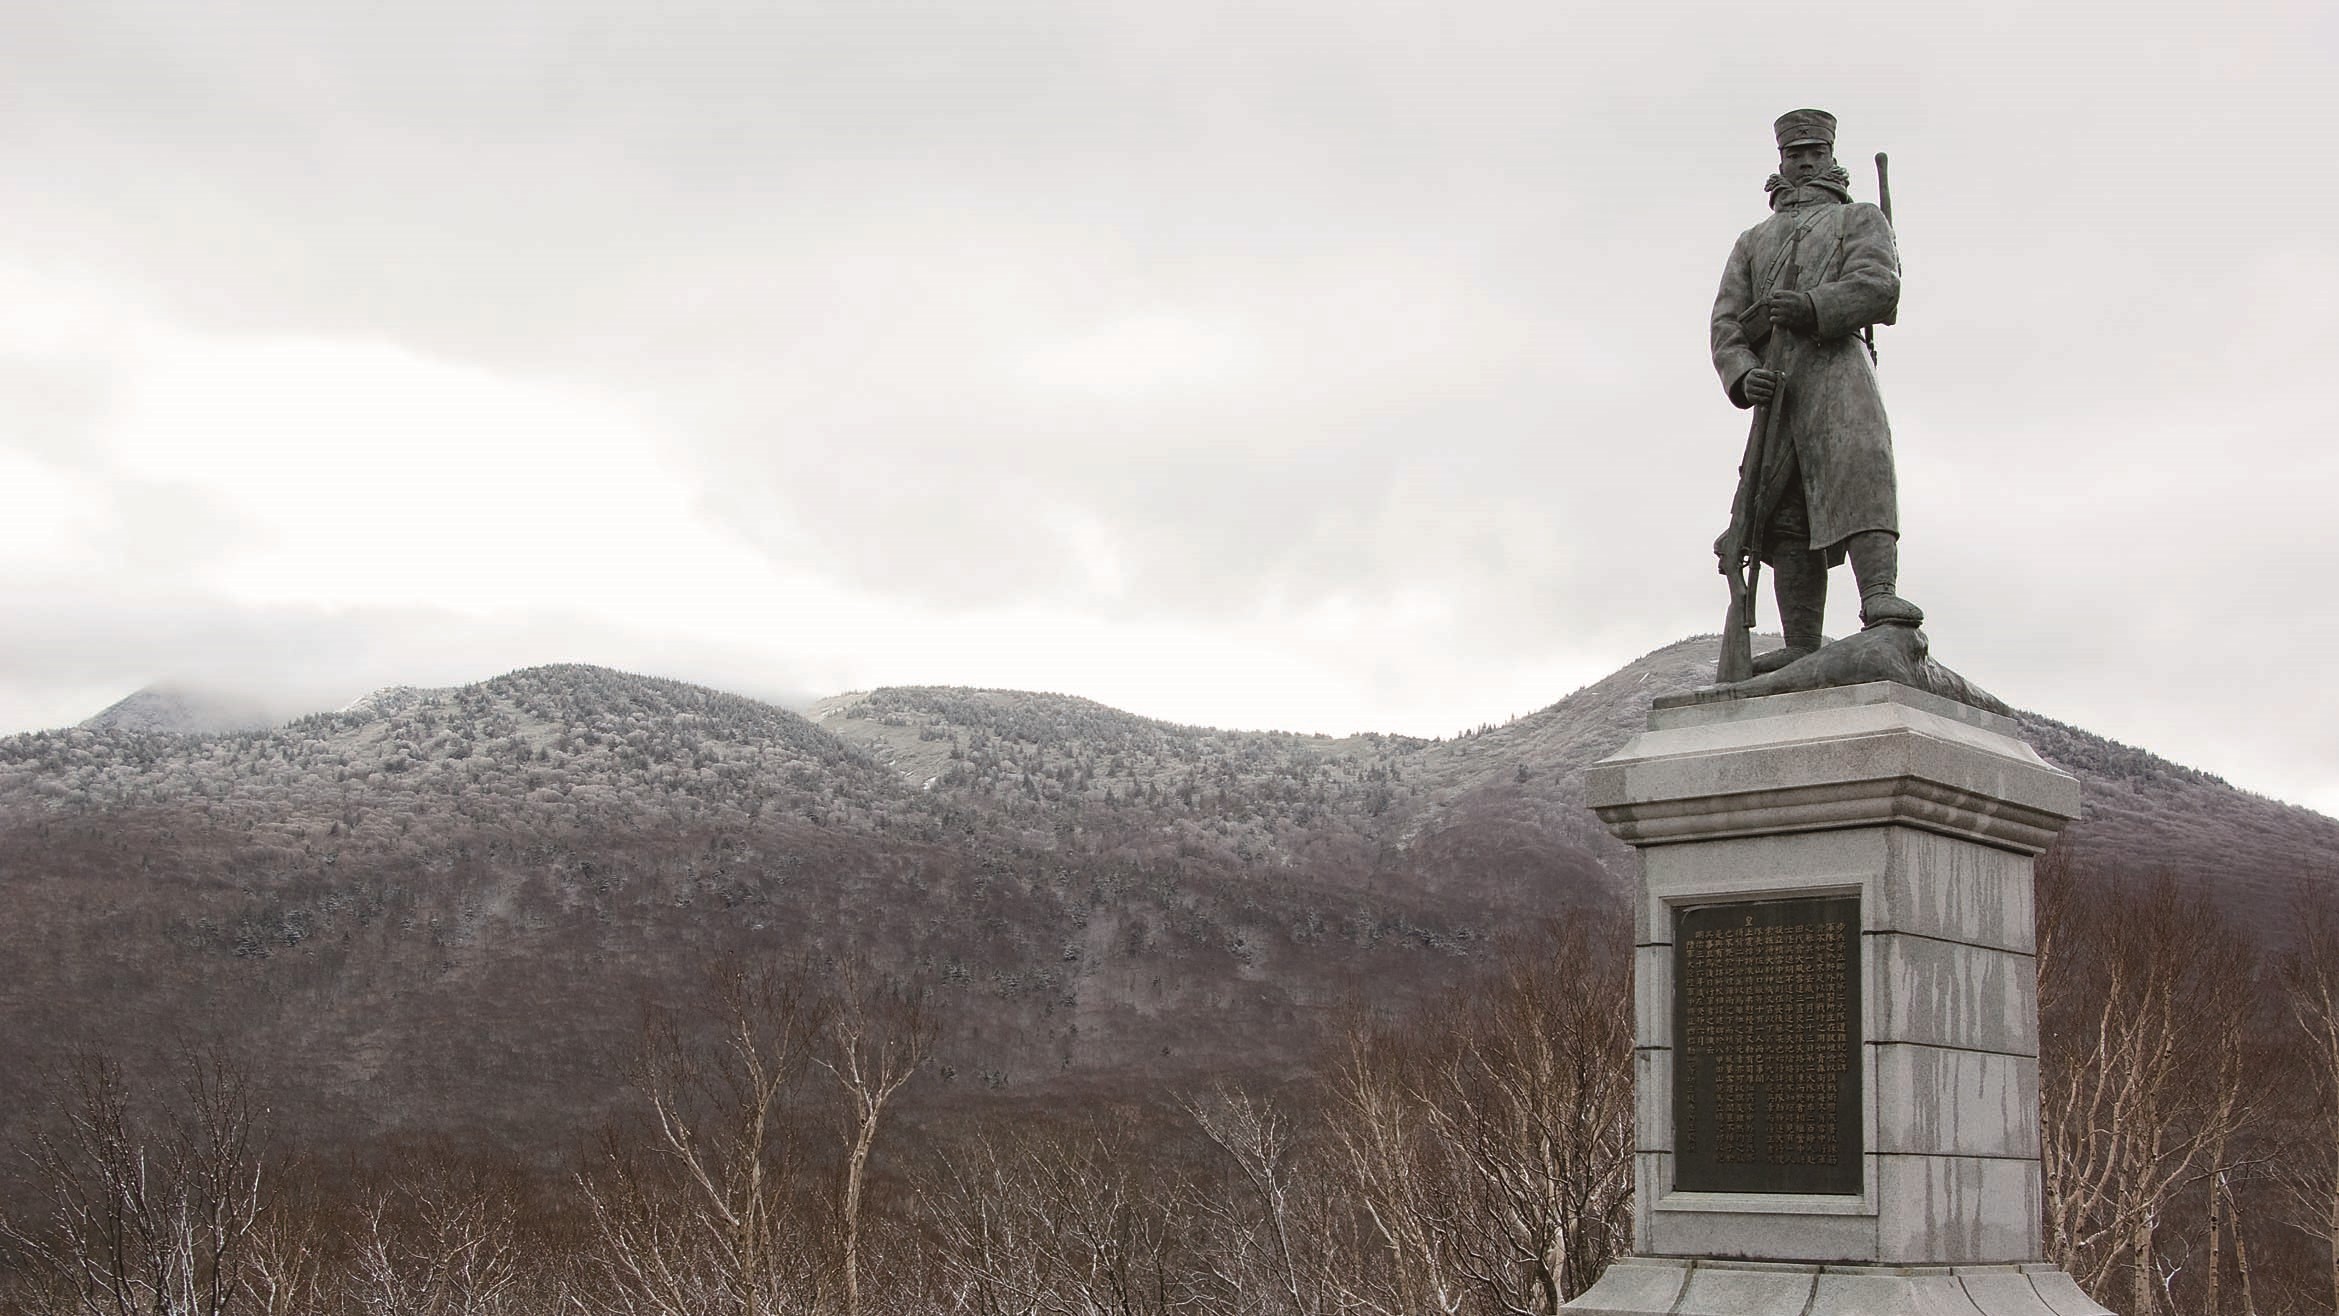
{"x":439,"y":910}
{"x":187,"y":711}
{"x":579,"y":736}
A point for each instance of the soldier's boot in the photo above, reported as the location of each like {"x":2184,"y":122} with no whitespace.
{"x":1875,"y":558}
{"x":1799,"y":580}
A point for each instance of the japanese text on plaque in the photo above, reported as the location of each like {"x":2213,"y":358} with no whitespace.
{"x":1766,"y":1015}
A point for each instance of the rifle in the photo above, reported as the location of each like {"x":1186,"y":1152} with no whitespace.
{"x":1883,"y":203}
{"x":1740,"y":548}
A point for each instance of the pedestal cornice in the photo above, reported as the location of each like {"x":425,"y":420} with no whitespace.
{"x":1858,"y":756}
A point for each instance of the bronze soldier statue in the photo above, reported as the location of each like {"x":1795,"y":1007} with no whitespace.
{"x":1800,"y":288}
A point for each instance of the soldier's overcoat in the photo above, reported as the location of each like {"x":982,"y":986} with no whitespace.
{"x":1834,"y":415}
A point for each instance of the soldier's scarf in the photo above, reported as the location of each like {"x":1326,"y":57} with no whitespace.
{"x":1837,"y":181}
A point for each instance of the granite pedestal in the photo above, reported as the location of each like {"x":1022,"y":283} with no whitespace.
{"x":1916,"y":818}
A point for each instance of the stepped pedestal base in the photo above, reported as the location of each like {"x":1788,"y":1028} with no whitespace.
{"x":1676,"y":1286}
{"x":1836,"y":1036}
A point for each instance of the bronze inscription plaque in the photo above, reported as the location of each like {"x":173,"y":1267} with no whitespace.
{"x":1766,"y":1064}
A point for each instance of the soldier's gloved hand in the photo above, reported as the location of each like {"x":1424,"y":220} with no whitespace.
{"x":1760,"y":386}
{"x":1792,"y":310}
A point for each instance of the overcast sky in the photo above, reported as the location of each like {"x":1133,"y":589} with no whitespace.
{"x":1326,"y":367}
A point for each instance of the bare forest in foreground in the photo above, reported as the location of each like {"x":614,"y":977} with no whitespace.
{"x":1468,"y":1156}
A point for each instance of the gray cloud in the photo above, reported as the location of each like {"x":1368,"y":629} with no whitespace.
{"x":1224,"y":313}
{"x":74,"y":651}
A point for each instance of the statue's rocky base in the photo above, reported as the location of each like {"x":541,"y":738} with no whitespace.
{"x":1890,"y":652}
{"x":1680,"y":1286}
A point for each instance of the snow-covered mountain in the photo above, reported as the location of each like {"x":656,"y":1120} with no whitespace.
{"x":440,"y":910}
{"x":181,"y":710}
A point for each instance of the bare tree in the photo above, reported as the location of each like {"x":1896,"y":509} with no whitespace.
{"x":436,"y":1238}
{"x":2144,"y":999}
{"x":2309,"y":974}
{"x":1494,"y":1157}
{"x":1279,"y":1248}
{"x":1407,"y":1178}
{"x":148,"y":1215}
{"x":294,"y":1257}
{"x":1535,"y":1095}
{"x":880,"y":1032}
{"x":1073,"y":1222}
{"x":701,"y":1217}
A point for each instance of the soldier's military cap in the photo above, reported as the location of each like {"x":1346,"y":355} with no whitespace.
{"x":1801,"y":127}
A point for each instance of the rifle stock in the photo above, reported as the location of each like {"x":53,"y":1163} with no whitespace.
{"x":1741,"y":566}
{"x":1737,"y":660}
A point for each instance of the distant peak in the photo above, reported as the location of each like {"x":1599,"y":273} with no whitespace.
{"x":182,"y":710}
